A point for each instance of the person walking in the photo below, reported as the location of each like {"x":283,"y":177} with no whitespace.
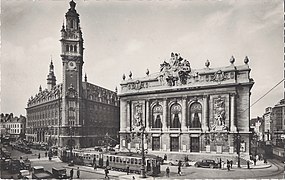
{"x":248,"y":167}
{"x":179,"y":170}
{"x":128,"y":169}
{"x":78,"y":172}
{"x":71,"y":173}
{"x":165,"y":157}
{"x":167,"y":171}
{"x":231,"y":162}
{"x":45,"y":154}
{"x":39,"y":156}
{"x":254,"y":161}
{"x":228,"y":165}
{"x":95,"y":166}
{"x":106,"y":173}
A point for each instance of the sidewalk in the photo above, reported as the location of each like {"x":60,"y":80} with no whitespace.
{"x":259,"y":165}
{"x":123,"y":175}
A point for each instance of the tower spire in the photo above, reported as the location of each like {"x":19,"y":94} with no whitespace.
{"x":51,"y":79}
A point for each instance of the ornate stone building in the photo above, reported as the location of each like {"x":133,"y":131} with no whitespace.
{"x":73,"y":112}
{"x":187,"y":110}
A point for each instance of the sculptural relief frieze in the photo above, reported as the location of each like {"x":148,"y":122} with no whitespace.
{"x":219,"y":110}
{"x":137,"y":85}
{"x":137,"y":121}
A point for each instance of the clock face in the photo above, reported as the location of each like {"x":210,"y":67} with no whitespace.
{"x":71,"y":65}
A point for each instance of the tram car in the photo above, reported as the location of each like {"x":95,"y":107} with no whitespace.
{"x":119,"y":161}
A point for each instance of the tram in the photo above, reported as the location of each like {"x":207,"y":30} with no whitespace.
{"x":119,"y":161}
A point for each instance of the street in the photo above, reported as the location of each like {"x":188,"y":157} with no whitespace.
{"x":275,"y":171}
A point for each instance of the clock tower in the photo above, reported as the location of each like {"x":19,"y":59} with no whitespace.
{"x":72,"y":61}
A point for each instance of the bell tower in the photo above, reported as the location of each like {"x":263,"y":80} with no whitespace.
{"x":72,"y":63}
{"x":51,"y":80}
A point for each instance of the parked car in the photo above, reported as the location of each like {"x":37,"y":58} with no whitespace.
{"x":206,"y":163}
{"x":24,"y":174}
{"x":59,"y":173}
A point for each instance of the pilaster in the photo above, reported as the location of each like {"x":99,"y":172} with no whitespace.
{"x":164,"y":123}
{"x":205,"y":125}
{"x":184,"y":112}
{"x":233,"y":112}
{"x":147,"y":114}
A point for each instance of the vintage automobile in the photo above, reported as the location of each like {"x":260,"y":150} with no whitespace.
{"x":59,"y":173}
{"x":40,"y":173}
{"x":206,"y":163}
{"x":24,"y":174}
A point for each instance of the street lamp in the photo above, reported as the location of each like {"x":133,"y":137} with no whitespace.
{"x":238,"y":148}
{"x":70,"y":143}
{"x":143,"y":175}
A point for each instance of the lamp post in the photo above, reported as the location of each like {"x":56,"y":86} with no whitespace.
{"x":238,"y":148}
{"x":71,"y":142}
{"x":143,"y":175}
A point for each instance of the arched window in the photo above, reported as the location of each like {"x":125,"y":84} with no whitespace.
{"x":175,"y":116}
{"x":75,"y":48}
{"x":156,"y":116}
{"x":71,"y":48}
{"x":195,"y":115}
{"x":67,"y":48}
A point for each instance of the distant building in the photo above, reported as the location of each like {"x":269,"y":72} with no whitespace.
{"x":257,"y":125}
{"x":12,"y":127}
{"x":74,"y":112}
{"x":278,"y":122}
{"x":187,"y":110}
{"x":267,"y":116}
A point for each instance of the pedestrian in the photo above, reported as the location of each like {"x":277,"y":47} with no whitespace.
{"x":228,"y":165}
{"x":265,"y":160}
{"x":78,"y":172}
{"x":95,"y":166}
{"x":134,"y":178}
{"x":71,"y":173}
{"x":128,"y":169}
{"x":165,"y":157}
{"x":220,"y":163}
{"x":45,"y":154}
{"x":106,"y":173}
{"x":39,"y":156}
{"x":254,"y":161}
{"x":179,"y":170}
{"x":167,"y":171}
{"x":248,"y":164}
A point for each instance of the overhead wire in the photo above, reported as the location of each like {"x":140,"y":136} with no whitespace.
{"x":265,"y":94}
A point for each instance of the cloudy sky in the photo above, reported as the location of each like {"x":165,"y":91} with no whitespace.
{"x":123,"y":36}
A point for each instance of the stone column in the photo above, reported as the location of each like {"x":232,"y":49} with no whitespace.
{"x":123,"y":118}
{"x":205,"y":125}
{"x":233,"y":113}
{"x":128,"y":117}
{"x":164,"y":123}
{"x":184,"y":112}
{"x":147,"y":114}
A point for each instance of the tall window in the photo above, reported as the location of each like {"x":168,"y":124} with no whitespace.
{"x":156,"y":143}
{"x":175,"y":116}
{"x":156,"y":116}
{"x":195,"y":115}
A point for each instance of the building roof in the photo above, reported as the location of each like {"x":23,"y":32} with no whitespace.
{"x":177,"y":73}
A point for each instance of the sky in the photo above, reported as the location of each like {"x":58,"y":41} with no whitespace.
{"x":124,"y":36}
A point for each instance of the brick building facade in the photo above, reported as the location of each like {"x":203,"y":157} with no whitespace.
{"x":73,"y":112}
